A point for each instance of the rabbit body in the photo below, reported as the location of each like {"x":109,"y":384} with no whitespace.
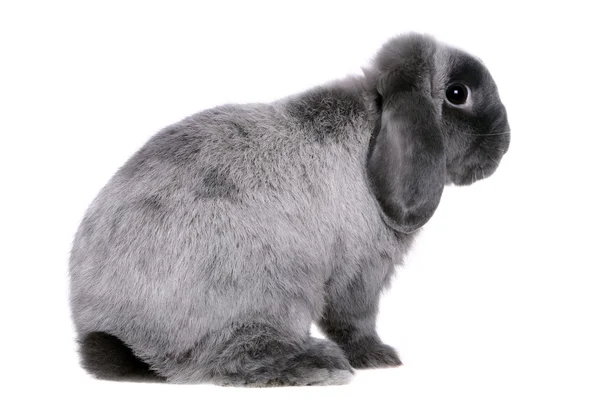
{"x":252,"y":218}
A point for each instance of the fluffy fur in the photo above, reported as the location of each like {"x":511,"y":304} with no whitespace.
{"x":210,"y":252}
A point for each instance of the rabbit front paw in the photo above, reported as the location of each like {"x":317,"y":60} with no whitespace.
{"x":369,"y":352}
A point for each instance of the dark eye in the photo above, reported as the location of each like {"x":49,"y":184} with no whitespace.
{"x":457,"y":93}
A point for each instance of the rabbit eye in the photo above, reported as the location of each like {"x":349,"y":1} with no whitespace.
{"x":457,"y":93}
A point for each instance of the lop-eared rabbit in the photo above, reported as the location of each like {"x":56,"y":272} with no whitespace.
{"x":212,"y":250}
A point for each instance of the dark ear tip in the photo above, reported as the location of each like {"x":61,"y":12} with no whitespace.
{"x":411,"y":229}
{"x":405,"y":227}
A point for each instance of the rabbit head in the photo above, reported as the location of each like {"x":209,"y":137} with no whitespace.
{"x":440,"y":121}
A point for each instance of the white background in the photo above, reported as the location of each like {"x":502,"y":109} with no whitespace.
{"x":500,"y":297}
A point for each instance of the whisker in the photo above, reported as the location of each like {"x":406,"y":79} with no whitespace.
{"x":489,"y":134}
{"x":494,"y":160}
{"x":488,"y":146}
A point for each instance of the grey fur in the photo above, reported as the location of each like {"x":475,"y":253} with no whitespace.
{"x":211,"y":251}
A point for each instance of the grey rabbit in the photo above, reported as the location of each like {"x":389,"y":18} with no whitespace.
{"x":212,"y":250}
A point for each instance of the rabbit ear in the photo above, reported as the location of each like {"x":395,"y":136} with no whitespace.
{"x":407,"y":162}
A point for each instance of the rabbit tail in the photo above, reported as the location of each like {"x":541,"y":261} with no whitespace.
{"x":107,"y":357}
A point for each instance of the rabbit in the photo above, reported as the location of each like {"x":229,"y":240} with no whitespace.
{"x":211,"y":251}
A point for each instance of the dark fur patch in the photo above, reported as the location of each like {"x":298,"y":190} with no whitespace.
{"x":217,"y":184}
{"x":177,"y":144}
{"x":107,"y":357}
{"x":324,"y":112}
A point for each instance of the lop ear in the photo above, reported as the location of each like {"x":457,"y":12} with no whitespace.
{"x":407,"y":160}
